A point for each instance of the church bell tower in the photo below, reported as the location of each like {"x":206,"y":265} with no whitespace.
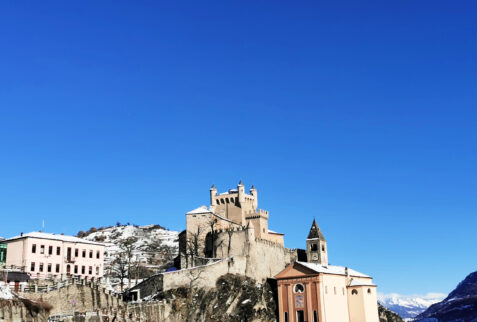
{"x":316,"y":250}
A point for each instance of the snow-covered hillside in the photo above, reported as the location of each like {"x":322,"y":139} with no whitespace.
{"x":460,"y":305}
{"x":154,"y":246}
{"x":409,"y":306}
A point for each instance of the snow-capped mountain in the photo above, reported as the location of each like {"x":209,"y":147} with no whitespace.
{"x":409,"y":306}
{"x":459,"y":306}
{"x":154,"y":247}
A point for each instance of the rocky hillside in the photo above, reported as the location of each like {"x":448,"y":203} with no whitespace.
{"x":459,"y":306}
{"x":386,"y":315}
{"x":408,"y":307}
{"x":235,"y":298}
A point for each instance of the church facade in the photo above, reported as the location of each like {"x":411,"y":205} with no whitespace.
{"x":312,"y":290}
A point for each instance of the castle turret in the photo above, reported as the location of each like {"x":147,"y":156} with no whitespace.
{"x":253,"y":192}
{"x":316,"y":249}
{"x":241,"y":192}
{"x":213,"y":194}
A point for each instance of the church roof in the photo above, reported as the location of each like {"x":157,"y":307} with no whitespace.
{"x":315,"y":232}
{"x":355,"y":282}
{"x":330,"y":269}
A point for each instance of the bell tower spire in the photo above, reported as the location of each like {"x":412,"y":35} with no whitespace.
{"x":316,"y":248}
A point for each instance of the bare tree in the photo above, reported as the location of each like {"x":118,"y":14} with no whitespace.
{"x":120,"y":268}
{"x":128,"y":246}
{"x":194,"y":244}
{"x":194,"y":276}
{"x":230,"y":232}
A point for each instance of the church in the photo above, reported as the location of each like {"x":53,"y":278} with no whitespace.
{"x":312,"y":290}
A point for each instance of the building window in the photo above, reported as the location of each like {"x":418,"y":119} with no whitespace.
{"x":323,"y":248}
{"x":369,"y":291}
{"x":314,"y":247}
{"x":58,"y":251}
{"x":354,"y":292}
{"x":76,"y":269}
{"x":343,"y":291}
{"x":83,"y":270}
{"x":315,"y":316}
{"x":42,"y":249}
{"x":90,"y":254}
{"x":32,"y":266}
{"x":50,"y":250}
{"x":97,"y":254}
{"x":335,"y":290}
{"x":286,"y":317}
{"x":299,"y":288}
{"x":76,"y":252}
{"x":41,"y":267}
{"x":33,"y":248}
{"x":48,"y":269}
{"x":84,"y":253}
{"x":57,"y":268}
{"x":97,"y":270}
{"x":90,"y":271}
{"x":326,"y":289}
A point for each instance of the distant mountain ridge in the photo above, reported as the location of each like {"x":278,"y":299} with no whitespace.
{"x":409,"y":306}
{"x":459,"y":306}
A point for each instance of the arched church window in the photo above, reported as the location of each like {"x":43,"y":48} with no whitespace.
{"x":299,"y":288}
{"x":369,"y":291}
{"x":314,"y":247}
{"x":322,"y":248}
{"x":354,"y":292}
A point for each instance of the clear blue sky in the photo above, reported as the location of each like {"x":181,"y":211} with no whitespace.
{"x":361,"y":115}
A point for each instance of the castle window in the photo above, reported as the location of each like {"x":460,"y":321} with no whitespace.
{"x":227,"y":200}
{"x":222,"y":201}
{"x":299,"y":288}
{"x":354,"y":292}
{"x":369,"y":291}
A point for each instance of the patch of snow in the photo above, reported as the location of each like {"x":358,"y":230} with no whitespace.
{"x":5,"y":292}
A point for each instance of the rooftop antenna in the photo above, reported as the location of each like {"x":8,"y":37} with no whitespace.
{"x":43,"y":225}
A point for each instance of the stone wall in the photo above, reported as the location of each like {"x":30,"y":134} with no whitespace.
{"x":264,"y":258}
{"x":18,"y":310}
{"x":76,"y":297}
{"x":204,"y":276}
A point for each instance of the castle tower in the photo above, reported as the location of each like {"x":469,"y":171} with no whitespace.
{"x":316,"y":250}
{"x":213,"y":194}
{"x":253,"y":192}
